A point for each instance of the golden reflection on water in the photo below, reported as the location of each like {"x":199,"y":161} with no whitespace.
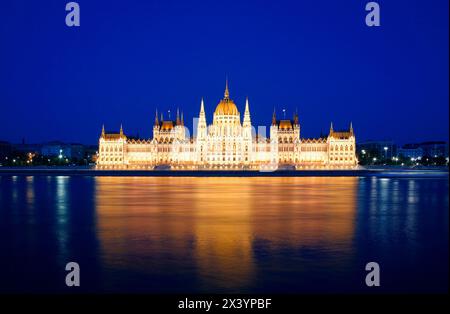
{"x":214,"y":222}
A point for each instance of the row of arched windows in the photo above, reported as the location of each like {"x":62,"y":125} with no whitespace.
{"x":285,"y":140}
{"x":112,"y":159}
{"x":341,"y":158}
{"x":111,"y":149}
{"x":341,"y":148}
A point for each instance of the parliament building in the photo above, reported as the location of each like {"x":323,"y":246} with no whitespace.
{"x":227,"y":144}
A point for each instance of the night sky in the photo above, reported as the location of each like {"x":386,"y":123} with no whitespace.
{"x":130,"y":57}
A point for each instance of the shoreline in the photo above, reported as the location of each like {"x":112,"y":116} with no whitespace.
{"x":362,"y":172}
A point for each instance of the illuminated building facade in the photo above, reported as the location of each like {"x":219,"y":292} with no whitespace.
{"x":227,"y":144}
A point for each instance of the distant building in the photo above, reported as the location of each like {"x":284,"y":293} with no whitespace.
{"x":378,"y":149}
{"x":434,"y":149}
{"x":77,"y":151}
{"x":56,"y":149}
{"x":424,"y":149}
{"x":27,"y":148}
{"x":411,"y":151}
{"x":5,"y":150}
{"x":91,"y":153}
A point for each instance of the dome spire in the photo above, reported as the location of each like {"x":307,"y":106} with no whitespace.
{"x":227,"y":92}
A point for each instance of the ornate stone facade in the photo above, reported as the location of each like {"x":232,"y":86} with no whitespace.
{"x":227,"y":144}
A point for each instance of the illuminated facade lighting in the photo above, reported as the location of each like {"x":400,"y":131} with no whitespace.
{"x":227,"y":144}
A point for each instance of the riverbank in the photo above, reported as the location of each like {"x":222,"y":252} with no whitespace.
{"x":361,"y":172}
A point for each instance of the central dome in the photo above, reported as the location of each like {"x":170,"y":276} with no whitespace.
{"x":226,"y":106}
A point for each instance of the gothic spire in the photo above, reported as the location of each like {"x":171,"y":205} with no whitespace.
{"x":247,"y":113}
{"x":178,"y":117}
{"x":202,"y":107}
{"x":156,"y":118}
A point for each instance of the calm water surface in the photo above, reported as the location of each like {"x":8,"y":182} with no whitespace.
{"x":248,"y":235}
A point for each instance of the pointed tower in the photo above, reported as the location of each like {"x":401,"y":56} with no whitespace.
{"x":179,"y":127}
{"x":330,"y":139}
{"x":103,"y":130}
{"x":156,"y":119}
{"x":296,"y":125}
{"x":247,"y":134}
{"x":156,"y":126}
{"x":351,"y":129}
{"x":201,"y":126}
{"x":247,"y":121}
{"x":296,"y":117}
{"x":247,"y":124}
{"x":121,"y":130}
{"x":200,"y":141}
{"x":274,"y":128}
{"x":178,"y":121}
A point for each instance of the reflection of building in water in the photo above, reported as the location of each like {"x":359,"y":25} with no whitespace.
{"x":223,"y":232}
{"x":306,"y":211}
{"x":142,"y":218}
{"x":227,"y":144}
{"x":209,"y":227}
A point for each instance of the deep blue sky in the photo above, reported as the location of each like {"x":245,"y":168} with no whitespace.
{"x":129,"y":57}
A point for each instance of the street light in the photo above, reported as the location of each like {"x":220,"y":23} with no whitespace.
{"x":385,"y":151}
